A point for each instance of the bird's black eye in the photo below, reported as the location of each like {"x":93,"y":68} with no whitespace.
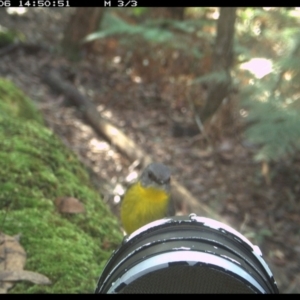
{"x":168,"y":180}
{"x":152,"y":176}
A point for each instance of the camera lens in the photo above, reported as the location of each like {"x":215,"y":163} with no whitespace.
{"x":187,"y":254}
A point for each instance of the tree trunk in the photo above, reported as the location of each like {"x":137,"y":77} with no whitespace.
{"x":221,"y":62}
{"x":84,"y":21}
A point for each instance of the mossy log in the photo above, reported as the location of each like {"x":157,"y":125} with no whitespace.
{"x":35,"y":169}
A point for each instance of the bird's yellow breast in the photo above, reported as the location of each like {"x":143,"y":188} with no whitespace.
{"x":141,"y":206}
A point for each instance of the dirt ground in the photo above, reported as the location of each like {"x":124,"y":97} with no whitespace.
{"x":263,"y":205}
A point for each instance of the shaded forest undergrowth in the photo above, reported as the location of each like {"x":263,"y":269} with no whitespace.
{"x":144,"y":103}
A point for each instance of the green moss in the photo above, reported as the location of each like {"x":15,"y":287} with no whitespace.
{"x":35,"y":169}
{"x":8,"y":36}
{"x":14,"y":103}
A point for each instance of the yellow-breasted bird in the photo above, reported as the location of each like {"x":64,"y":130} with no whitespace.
{"x":148,"y":199}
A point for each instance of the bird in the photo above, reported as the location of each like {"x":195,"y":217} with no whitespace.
{"x":148,"y":199}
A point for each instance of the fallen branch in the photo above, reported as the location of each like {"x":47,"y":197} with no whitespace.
{"x":90,"y":113}
{"x":125,"y":145}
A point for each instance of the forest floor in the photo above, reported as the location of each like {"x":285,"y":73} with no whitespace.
{"x":261,"y":205}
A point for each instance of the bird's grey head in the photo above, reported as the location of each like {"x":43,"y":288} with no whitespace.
{"x":156,"y":174}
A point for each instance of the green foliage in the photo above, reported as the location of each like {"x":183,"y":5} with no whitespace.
{"x":276,"y":127}
{"x":35,"y":169}
{"x":139,"y":11}
{"x":159,"y":31}
{"x":273,"y":105}
{"x":259,"y":236}
{"x":114,"y":25}
{"x":264,"y":32}
{"x":8,"y":36}
{"x":15,"y":103}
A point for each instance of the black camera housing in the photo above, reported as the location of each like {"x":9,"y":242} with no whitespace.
{"x":186,"y":254}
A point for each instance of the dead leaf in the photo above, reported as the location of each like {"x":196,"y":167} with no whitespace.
{"x":69,"y":205}
{"x":278,"y":258}
{"x":201,"y":154}
{"x":12,"y":254}
{"x":22,"y":275}
{"x":225,"y":157}
{"x":225,"y":146}
{"x":12,"y":262}
{"x":12,"y":258}
{"x":265,"y":171}
{"x":106,"y":244}
{"x":209,"y":164}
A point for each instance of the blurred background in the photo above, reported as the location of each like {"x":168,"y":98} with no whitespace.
{"x":211,"y":92}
